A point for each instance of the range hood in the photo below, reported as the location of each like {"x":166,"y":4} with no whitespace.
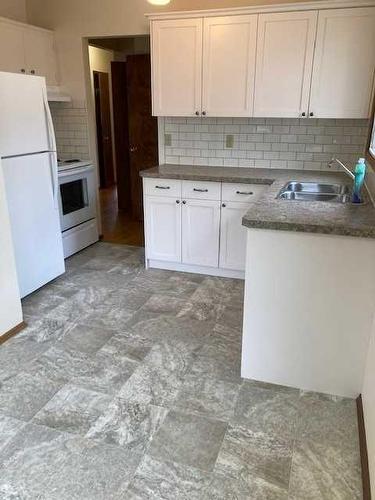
{"x":57,"y":94}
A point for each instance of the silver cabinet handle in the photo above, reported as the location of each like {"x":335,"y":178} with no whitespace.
{"x":162,"y":187}
{"x":200,"y":190}
{"x":244,"y":192}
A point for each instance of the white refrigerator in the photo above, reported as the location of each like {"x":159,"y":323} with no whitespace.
{"x":29,"y":164}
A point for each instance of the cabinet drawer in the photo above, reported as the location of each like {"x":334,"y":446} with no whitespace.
{"x":162,"y":187}
{"x":245,"y":193}
{"x":201,"y":190}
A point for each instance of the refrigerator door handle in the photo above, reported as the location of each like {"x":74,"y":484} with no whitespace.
{"x":54,"y":176}
{"x":50,"y":128}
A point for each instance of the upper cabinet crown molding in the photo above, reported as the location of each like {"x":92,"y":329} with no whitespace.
{"x":262,"y":9}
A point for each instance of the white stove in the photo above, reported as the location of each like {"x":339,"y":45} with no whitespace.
{"x":77,"y":204}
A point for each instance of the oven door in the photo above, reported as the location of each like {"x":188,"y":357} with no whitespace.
{"x":77,"y":196}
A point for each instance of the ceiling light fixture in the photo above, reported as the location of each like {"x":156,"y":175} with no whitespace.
{"x":158,"y":2}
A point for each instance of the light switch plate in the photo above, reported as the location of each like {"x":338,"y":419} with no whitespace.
{"x":229,"y":141}
{"x":167,"y":139}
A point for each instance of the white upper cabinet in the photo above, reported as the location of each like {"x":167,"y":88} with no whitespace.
{"x":177,"y":67}
{"x":284,"y":63}
{"x":229,"y":50}
{"x":12,"y":49}
{"x":40,"y":54}
{"x":344,"y":63}
{"x":27,"y":49}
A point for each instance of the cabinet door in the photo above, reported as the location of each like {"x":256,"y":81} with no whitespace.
{"x":229,"y":49}
{"x":177,"y":67}
{"x":344,"y":63}
{"x":233,"y":236}
{"x":12,"y":50}
{"x":163,"y":228}
{"x":284,"y":63}
{"x":40,"y":54}
{"x":200,"y":232}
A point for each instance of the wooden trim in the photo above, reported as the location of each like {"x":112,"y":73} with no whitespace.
{"x":11,"y":333}
{"x":363,"y":450}
{"x":263,"y":9}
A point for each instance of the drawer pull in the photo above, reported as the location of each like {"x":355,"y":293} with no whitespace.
{"x":200,"y":190}
{"x":244,"y":192}
{"x":162,"y":187}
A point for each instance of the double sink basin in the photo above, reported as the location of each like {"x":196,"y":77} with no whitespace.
{"x":314,"y":191}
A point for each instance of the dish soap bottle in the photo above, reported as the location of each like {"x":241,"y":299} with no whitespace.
{"x":359,"y":178}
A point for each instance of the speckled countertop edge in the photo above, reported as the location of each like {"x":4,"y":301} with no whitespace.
{"x":269,"y":212}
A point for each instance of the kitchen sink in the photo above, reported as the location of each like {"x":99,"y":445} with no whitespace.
{"x":314,"y":191}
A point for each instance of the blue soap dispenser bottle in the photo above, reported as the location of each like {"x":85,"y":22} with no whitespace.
{"x":359,"y":179}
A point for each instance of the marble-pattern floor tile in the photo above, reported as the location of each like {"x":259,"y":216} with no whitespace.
{"x":73,"y":409}
{"x":126,"y":385}
{"x":88,"y":339}
{"x":159,"y":480}
{"x":9,"y":426}
{"x":128,"y":424}
{"x":189,"y":440}
{"x":208,"y":396}
{"x":266,"y":456}
{"x":42,"y":463}
{"x":272,"y":410}
{"x":325,"y":472}
{"x":243,"y":487}
{"x":158,"y":379}
{"x":23,"y":395}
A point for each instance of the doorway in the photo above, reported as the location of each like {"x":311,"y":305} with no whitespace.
{"x":127,"y":133}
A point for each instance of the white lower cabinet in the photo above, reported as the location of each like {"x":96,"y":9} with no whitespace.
{"x":200,"y":232}
{"x":163,"y":228}
{"x":189,"y":228}
{"x":233,"y":236}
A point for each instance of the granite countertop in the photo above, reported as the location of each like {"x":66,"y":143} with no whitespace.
{"x":286,"y":215}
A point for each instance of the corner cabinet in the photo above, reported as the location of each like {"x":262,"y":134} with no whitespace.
{"x":196,"y":226}
{"x":303,"y":63}
{"x":28,"y":49}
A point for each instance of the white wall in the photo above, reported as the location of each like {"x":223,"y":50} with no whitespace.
{"x":10,"y":304}
{"x":368,"y":396}
{"x":14,"y":9}
{"x":100,"y":60}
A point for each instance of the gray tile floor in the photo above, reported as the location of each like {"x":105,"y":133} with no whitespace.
{"x":126,"y":385}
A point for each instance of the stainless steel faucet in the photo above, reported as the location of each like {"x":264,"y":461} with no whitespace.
{"x":347,"y":170}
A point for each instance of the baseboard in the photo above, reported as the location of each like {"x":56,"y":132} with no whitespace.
{"x":187,"y":268}
{"x":11,"y":333}
{"x":363,"y":450}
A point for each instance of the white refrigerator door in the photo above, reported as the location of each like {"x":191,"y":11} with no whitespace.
{"x":30,"y":184}
{"x":25,"y":121}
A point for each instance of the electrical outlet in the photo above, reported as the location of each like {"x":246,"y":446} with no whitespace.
{"x":167,"y":139}
{"x":229,"y":141}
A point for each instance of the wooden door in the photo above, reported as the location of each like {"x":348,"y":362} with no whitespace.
{"x":284,"y":64}
{"x":12,"y":49}
{"x":177,"y":67}
{"x":344,"y":64}
{"x":121,"y":134}
{"x":229,"y":51}
{"x":103,"y":129}
{"x":233,"y":236}
{"x":200,"y":232}
{"x":40,"y":55}
{"x":143,"y":127}
{"x":163,"y":228}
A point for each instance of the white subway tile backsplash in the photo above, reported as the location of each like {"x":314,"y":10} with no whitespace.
{"x":70,"y":122}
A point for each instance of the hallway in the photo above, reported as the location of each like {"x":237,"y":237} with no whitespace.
{"x":118,"y":226}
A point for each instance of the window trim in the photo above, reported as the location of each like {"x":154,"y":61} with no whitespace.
{"x":370,"y":154}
